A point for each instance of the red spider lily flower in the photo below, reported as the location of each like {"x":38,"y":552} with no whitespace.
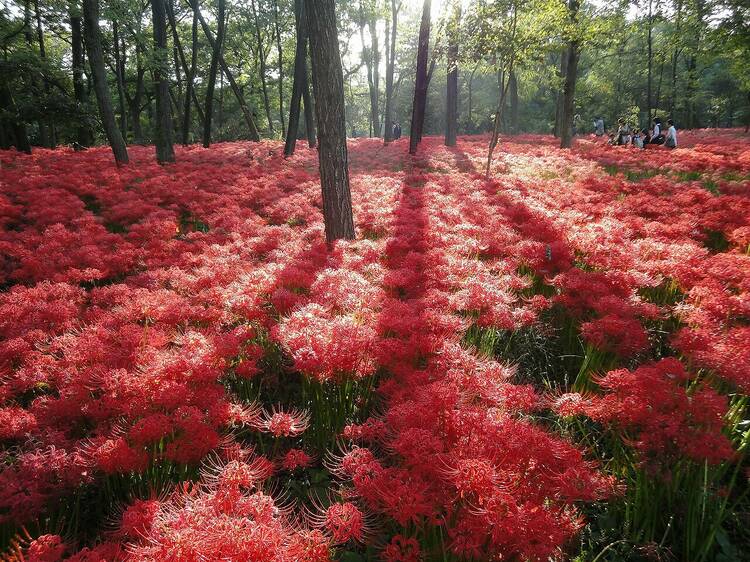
{"x":343,"y":521}
{"x":402,"y":549}
{"x":296,"y":458}
{"x":279,"y":423}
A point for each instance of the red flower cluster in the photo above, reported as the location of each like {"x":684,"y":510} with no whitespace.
{"x":657,"y":413}
{"x":135,"y":300}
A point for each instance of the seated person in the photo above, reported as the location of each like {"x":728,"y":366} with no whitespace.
{"x":657,"y":137}
{"x":637,"y":139}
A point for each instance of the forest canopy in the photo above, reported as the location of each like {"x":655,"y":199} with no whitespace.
{"x":685,"y":59}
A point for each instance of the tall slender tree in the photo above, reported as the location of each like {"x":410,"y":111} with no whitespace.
{"x":281,"y":64}
{"x":50,"y":131}
{"x":374,"y":82}
{"x":10,"y":120}
{"x":328,"y":86}
{"x":420,"y":84}
{"x":253,"y":130}
{"x":92,"y":37}
{"x":451,"y":114}
{"x":389,"y":71}
{"x":163,"y":127}
{"x":513,"y":94}
{"x":571,"y":75}
{"x":562,"y":73}
{"x":300,"y":77}
{"x":189,"y":87}
{"x":215,"y":55}
{"x":262,"y":66}
{"x":83,"y":131}
{"x":120,"y":78}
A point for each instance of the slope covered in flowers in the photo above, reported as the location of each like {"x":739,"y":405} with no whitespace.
{"x":188,"y":372}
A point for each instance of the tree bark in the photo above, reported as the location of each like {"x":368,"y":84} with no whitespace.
{"x":650,"y":65}
{"x":262,"y":67}
{"x":14,"y":124}
{"x":253,"y":130}
{"x":163,"y":129}
{"x":675,"y":57}
{"x":569,"y":88}
{"x":215,"y":55}
{"x":39,"y":102}
{"x":135,"y":102}
{"x":420,"y":84}
{"x":99,"y":78}
{"x":83,"y":132}
{"x":281,"y":65}
{"x":498,"y":115}
{"x":191,"y":99}
{"x":300,"y":77}
{"x":451,"y":113}
{"x":309,"y":108}
{"x":328,"y":86}
{"x":560,"y":94}
{"x":390,"y":69}
{"x":120,"y":78}
{"x":471,"y":88}
{"x":513,"y":86}
{"x":373,"y":75}
{"x":51,"y":140}
{"x":190,"y":79}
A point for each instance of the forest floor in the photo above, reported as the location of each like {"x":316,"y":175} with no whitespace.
{"x":553,"y":362}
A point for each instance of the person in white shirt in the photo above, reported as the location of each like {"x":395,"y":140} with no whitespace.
{"x":671,"y":138}
{"x":657,"y":137}
{"x":599,"y":127}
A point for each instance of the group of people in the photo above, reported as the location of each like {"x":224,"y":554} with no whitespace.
{"x":626,"y":135}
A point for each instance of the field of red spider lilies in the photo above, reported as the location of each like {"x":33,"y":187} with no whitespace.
{"x":553,"y":363}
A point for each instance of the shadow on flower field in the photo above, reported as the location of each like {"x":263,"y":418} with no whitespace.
{"x":552,"y":363}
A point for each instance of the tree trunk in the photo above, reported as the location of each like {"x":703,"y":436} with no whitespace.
{"x":300,"y":77}
{"x":389,"y":70}
{"x":420,"y":83}
{"x":374,"y":76}
{"x":513,"y":86}
{"x":281,"y":65}
{"x":215,"y":55}
{"x":220,"y":118}
{"x":451,"y":113}
{"x":675,"y":57}
{"x":328,"y":86}
{"x":135,"y":103}
{"x":309,"y":105}
{"x":14,"y":124}
{"x":83,"y":133}
{"x":51,"y":140}
{"x":691,"y":120}
{"x":657,"y":99}
{"x":560,"y":95}
{"x":163,"y":129}
{"x":254,"y":136}
{"x":99,"y":78}
{"x":569,"y":89}
{"x":471,"y":88}
{"x":38,"y":101}
{"x":650,"y":45}
{"x":120,"y":78}
{"x":190,"y":78}
{"x":262,"y":65}
{"x":498,"y":118}
{"x":191,"y":99}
